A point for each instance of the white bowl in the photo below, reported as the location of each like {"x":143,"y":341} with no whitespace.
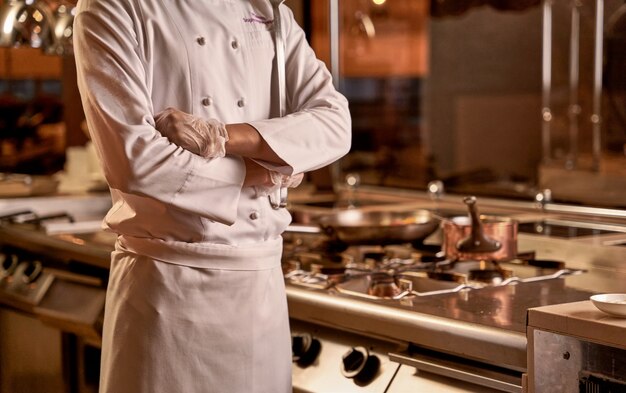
{"x":611,"y":303}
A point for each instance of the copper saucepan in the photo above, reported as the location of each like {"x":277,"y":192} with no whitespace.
{"x":476,"y":237}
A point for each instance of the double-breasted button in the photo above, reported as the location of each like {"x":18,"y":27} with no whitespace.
{"x":241,"y":102}
{"x":234,"y":44}
{"x":207,"y":101}
{"x":255,"y":215}
{"x":201,"y":41}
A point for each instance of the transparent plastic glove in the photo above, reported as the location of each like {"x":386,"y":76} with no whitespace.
{"x":279,"y":181}
{"x":204,"y":137}
{"x":292,"y":181}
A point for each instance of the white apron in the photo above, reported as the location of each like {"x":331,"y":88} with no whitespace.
{"x":171,"y":328}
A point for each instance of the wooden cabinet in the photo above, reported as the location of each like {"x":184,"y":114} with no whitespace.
{"x":28,"y":63}
{"x":376,"y":40}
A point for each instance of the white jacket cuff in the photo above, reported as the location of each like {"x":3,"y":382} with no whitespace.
{"x":213,"y":192}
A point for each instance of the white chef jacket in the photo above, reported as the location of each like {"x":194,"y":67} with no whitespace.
{"x":213,"y":59}
{"x":195,"y":299}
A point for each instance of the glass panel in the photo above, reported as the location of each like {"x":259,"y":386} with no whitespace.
{"x":452,"y":90}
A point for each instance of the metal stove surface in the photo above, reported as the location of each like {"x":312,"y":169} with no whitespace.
{"x":417,"y":278}
{"x":469,"y":311}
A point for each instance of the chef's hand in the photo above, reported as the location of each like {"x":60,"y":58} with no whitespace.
{"x":278,"y":181}
{"x":204,"y":137}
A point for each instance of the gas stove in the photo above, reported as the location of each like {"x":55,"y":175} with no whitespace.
{"x":423,"y":300}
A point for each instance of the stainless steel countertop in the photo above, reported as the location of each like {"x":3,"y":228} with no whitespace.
{"x":488,"y":324}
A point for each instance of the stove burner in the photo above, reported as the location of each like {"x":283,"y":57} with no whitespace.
{"x":333,"y":274}
{"x":383,"y":286}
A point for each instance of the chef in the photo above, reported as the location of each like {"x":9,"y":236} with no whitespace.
{"x":181,"y":101}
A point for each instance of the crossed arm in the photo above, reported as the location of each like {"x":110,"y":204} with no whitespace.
{"x":211,"y":138}
{"x":245,"y":140}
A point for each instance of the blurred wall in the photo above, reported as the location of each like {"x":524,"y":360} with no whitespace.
{"x":483,"y":93}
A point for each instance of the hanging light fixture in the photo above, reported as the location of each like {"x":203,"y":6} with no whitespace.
{"x":8,"y":20}
{"x":26,"y":23}
{"x":62,"y":31}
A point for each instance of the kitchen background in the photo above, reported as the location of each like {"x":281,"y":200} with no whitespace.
{"x":441,"y":90}
{"x":498,"y":98}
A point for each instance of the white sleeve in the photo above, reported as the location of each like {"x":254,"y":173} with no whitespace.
{"x":318,"y":129}
{"x":136,"y":158}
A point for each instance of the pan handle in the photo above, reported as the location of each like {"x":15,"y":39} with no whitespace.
{"x":477,"y":241}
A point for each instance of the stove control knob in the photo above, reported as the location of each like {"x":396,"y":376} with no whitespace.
{"x":305,"y":349}
{"x":358,"y":364}
{"x":8,"y":263}
{"x":32,"y":272}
